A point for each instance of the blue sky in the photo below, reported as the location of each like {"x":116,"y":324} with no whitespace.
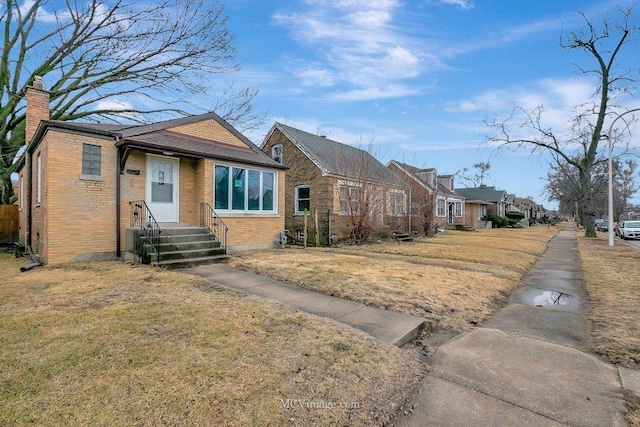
{"x":417,"y":78}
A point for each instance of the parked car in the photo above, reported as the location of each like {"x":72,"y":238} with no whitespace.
{"x":603,"y":226}
{"x":629,"y":229}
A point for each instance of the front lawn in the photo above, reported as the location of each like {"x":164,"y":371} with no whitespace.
{"x":455,"y":279}
{"x":109,"y":343}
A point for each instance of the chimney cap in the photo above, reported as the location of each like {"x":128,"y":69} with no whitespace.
{"x":37,"y":82}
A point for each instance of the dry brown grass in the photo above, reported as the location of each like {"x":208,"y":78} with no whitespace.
{"x":611,"y":279}
{"x":109,"y":343}
{"x":633,"y":408}
{"x":610,"y":276}
{"x":455,"y":280}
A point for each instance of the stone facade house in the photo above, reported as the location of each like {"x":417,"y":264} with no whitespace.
{"x":434,"y":202}
{"x":96,"y":191}
{"x":343,"y":188}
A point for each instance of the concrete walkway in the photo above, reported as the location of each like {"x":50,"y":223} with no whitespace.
{"x":527,"y":365}
{"x":394,"y":328}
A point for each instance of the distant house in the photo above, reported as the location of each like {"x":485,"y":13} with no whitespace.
{"x":450,"y":203}
{"x":481,"y":201}
{"x":345,"y":186}
{"x":95,"y":191}
{"x":433,"y":199}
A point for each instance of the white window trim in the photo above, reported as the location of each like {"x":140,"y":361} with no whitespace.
{"x":444,"y":207}
{"x":296,"y":199}
{"x":392,"y":205}
{"x":246,"y":211}
{"x":455,"y":209}
{"x":348,"y":185}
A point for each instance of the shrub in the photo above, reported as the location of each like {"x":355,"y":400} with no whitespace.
{"x":514,"y":215}
{"x":497,"y":220}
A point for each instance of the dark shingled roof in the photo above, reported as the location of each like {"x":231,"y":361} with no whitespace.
{"x":488,"y":194}
{"x":156,"y":137}
{"x":417,"y":174}
{"x":199,"y":147}
{"x":335,"y":158}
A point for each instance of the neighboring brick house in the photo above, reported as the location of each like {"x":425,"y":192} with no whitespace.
{"x":84,"y":185}
{"x":343,"y":184}
{"x":433,"y":200}
{"x":487,"y":200}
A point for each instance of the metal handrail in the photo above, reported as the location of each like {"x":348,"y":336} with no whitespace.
{"x":210,"y":219}
{"x":141,"y":216}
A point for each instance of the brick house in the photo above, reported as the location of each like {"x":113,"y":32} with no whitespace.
{"x":487,"y":200}
{"x":95,"y":191}
{"x":343,"y":184}
{"x":433,"y":198}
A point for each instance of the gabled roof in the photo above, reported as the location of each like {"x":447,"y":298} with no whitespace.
{"x":444,"y":190}
{"x":417,"y":174}
{"x":335,"y":158}
{"x":156,"y":137}
{"x":488,"y":194}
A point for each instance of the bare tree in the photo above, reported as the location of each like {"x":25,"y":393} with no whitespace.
{"x":625,"y":185}
{"x":582,"y":149}
{"x":563,"y":186}
{"x":361,"y":199}
{"x":117,"y":60}
{"x":477,"y":178}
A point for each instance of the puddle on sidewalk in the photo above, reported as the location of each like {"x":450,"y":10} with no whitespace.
{"x":550,"y":298}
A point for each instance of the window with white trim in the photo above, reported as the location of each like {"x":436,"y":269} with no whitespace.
{"x":440,"y":207}
{"x":240,"y":189}
{"x":457,"y":209}
{"x":302,"y":199}
{"x":276,"y":153}
{"x":396,"y":203}
{"x":349,"y":199}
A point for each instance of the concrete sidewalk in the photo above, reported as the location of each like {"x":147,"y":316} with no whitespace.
{"x":526,"y":365}
{"x":394,"y":328}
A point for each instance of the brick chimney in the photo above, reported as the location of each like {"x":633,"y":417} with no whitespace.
{"x":37,"y":107}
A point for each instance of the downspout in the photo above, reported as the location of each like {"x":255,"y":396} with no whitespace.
{"x":409,"y":211}
{"x":36,"y":261}
{"x":29,"y":203}
{"x":118,"y":172}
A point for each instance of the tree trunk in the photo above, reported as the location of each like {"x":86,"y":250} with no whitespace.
{"x":6,"y":189}
{"x":586,"y":203}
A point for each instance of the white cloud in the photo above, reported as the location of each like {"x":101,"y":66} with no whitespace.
{"x":43,"y":15}
{"x":374,"y":92}
{"x":464,"y":4}
{"x":359,"y":43}
{"x":119,"y":105}
{"x":316,"y":77}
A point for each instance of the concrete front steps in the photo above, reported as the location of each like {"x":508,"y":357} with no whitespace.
{"x":183,"y":246}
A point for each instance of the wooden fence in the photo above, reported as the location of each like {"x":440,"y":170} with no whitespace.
{"x":8,"y":224}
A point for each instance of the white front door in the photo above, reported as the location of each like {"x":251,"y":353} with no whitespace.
{"x":162,"y":187}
